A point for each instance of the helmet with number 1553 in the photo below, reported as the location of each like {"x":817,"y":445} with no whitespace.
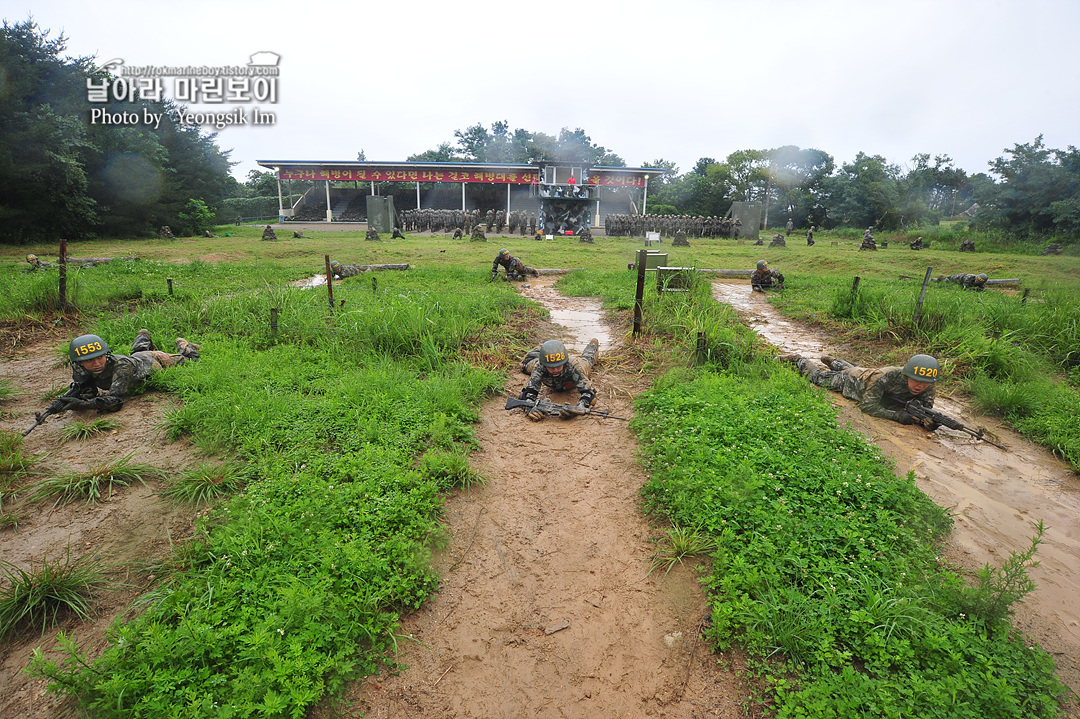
{"x":86,"y":347}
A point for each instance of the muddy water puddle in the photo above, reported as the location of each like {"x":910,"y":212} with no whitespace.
{"x":310,"y":282}
{"x":994,"y":494}
{"x":581,"y":316}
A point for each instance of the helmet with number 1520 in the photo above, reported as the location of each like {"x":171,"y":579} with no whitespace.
{"x":922,"y":368}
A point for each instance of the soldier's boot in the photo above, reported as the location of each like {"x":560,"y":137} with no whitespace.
{"x":792,"y":357}
{"x":592,"y":352}
{"x":188,"y":350}
{"x":142,"y":342}
{"x":827,"y":360}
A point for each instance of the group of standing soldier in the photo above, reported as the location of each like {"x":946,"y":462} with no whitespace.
{"x":622,"y":225}
{"x":437,"y":221}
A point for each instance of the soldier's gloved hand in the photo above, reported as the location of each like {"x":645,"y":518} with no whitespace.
{"x":70,"y":403}
{"x":929,"y":424}
{"x":528,"y":395}
{"x":535,"y":414}
{"x":58,"y":405}
{"x":904,"y":418}
{"x":576,"y":410}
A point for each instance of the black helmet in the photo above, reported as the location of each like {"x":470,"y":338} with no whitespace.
{"x":87,"y":347}
{"x":922,"y":368}
{"x":553,"y":354}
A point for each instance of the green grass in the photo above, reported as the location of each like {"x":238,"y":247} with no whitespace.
{"x":205,"y":483}
{"x":353,"y":425}
{"x":14,"y":461}
{"x":81,"y":430}
{"x":6,"y":390}
{"x":93,"y":485}
{"x":681,"y":542}
{"x":41,"y":596}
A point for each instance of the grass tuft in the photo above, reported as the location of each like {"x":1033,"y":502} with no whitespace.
{"x":204,"y":483}
{"x":13,"y":461}
{"x":450,"y":469}
{"x":80,"y":430}
{"x":6,"y":390}
{"x":42,"y":595}
{"x":681,"y":543}
{"x":91,"y":485}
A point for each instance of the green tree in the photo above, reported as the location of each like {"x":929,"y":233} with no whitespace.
{"x":1036,"y":194}
{"x":195,"y":218}
{"x":862,"y":194}
{"x":43,"y":182}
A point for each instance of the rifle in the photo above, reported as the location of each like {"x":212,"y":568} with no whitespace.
{"x":59,"y":406}
{"x":918,"y":411}
{"x":548,"y":407}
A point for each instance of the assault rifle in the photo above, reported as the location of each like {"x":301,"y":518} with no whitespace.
{"x":59,"y":406}
{"x":918,"y":411}
{"x":548,"y":407}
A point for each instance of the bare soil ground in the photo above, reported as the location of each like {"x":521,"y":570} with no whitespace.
{"x":547,"y":607}
{"x":128,"y":531}
{"x":995,"y":495}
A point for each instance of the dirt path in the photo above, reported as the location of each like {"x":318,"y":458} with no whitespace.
{"x":127,"y":531}
{"x":546,"y":606}
{"x":995,"y":495}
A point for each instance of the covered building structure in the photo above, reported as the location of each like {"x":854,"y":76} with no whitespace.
{"x":567,"y":197}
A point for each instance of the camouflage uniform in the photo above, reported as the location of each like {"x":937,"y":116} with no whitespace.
{"x":343,"y":271}
{"x":571,"y":376}
{"x":761,"y":279}
{"x":515,"y":268}
{"x":967,"y":281}
{"x":790,"y":226}
{"x":123,"y":372}
{"x":268,"y":233}
{"x":880,"y":392}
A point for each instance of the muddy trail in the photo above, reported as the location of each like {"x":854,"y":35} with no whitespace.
{"x":995,"y":495}
{"x":547,"y":607}
{"x":127,"y":531}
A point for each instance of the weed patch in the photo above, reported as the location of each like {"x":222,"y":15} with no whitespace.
{"x":41,"y":596}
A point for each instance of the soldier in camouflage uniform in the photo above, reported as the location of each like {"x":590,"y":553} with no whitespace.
{"x":94,"y":367}
{"x":790,"y":226}
{"x":764,"y":277}
{"x":341,"y":271}
{"x":967,"y":281}
{"x":515,"y":268}
{"x":36,"y":264}
{"x":880,"y":392}
{"x":549,"y":365}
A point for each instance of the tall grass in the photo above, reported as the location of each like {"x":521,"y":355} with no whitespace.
{"x":352,"y":425}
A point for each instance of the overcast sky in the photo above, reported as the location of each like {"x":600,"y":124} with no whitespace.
{"x":677,"y":79}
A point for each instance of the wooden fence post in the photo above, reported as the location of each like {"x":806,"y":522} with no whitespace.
{"x":918,"y":303}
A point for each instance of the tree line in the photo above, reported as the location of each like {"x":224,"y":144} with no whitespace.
{"x":63,"y":176}
{"x":1031,"y":190}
